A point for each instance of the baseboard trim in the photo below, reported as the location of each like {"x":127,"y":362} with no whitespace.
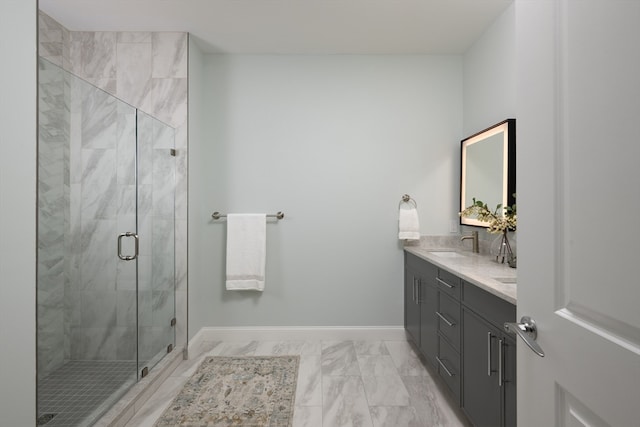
{"x":288,"y":333}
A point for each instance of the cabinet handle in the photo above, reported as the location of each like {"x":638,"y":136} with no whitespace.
{"x":489,"y":338}
{"x":444,"y":283}
{"x":444,"y":367}
{"x":414,"y":289}
{"x":444,"y":319}
{"x":500,"y":361}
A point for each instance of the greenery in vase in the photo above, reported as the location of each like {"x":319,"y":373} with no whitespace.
{"x":499,"y":222}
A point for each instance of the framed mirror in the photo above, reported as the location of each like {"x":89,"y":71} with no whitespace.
{"x":488,"y":168}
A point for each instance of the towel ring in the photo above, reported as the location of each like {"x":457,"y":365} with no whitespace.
{"x":407,"y":199}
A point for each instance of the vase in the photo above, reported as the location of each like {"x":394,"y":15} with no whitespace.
{"x":503,"y":250}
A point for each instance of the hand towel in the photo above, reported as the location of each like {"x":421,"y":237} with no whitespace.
{"x":408,"y":223}
{"x":246,"y":251}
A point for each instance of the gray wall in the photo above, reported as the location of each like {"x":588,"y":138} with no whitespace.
{"x":490,"y":82}
{"x":333,"y":141}
{"x":18,"y":115}
{"x":490,"y":76}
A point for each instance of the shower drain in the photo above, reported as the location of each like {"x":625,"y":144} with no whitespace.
{"x":43,"y":419}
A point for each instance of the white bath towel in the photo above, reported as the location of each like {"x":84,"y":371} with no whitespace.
{"x":408,"y":223}
{"x":246,"y":251}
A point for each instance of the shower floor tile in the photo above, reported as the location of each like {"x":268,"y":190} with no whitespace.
{"x":77,"y":394}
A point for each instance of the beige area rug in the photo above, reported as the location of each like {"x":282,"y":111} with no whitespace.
{"x":236,"y":391}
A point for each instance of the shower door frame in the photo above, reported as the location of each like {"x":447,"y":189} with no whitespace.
{"x":113,"y":287}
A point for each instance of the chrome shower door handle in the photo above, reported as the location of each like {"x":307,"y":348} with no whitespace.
{"x":136,"y":246}
{"x":528,"y":331}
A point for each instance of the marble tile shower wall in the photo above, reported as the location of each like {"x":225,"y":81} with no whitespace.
{"x":149,"y":71}
{"x":53,"y":41}
{"x":53,"y":217}
{"x":102,"y":203}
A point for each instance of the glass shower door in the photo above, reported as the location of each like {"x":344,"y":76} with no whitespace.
{"x":105,"y":278}
{"x":86,"y":305}
{"x":156,"y":225}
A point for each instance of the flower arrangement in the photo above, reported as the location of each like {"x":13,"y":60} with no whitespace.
{"x":508,"y":221}
{"x":498,"y":224}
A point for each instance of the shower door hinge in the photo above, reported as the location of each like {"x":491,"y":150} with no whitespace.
{"x":173,"y":152}
{"x":169,"y":348}
{"x":145,"y":372}
{"x":173,"y":322}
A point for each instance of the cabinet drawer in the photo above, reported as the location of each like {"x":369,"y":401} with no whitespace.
{"x":492,"y":308}
{"x":448,"y":315}
{"x":449,"y":283}
{"x":449,"y":367}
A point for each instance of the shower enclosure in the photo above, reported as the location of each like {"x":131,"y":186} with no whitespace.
{"x":105,"y":280}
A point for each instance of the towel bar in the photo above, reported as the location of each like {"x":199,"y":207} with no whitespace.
{"x":218,"y":215}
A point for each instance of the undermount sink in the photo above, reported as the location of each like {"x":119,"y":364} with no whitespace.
{"x":506,"y":280}
{"x":447,"y":254}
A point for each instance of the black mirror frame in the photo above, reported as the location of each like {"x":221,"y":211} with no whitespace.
{"x":511,"y":168}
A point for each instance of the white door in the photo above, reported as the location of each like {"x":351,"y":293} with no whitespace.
{"x":579,"y":205}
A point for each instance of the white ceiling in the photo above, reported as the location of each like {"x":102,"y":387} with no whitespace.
{"x":294,"y":26}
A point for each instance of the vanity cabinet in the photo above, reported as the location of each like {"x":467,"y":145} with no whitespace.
{"x":457,"y":327}
{"x":420,"y":305}
{"x":436,"y":330}
{"x":489,"y":361}
{"x":411,"y":301}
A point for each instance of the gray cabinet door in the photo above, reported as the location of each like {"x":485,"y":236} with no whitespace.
{"x":481,"y":398}
{"x":509,"y":382}
{"x":411,"y":306}
{"x":429,"y":322}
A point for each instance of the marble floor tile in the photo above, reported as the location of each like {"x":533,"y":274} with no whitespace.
{"x":376,"y":365}
{"x":309,"y":387}
{"x":158,"y":402}
{"x":388,"y":390}
{"x":307,"y":416}
{"x":344,"y":402}
{"x":232,"y":348}
{"x":372,"y":348}
{"x":312,"y":347}
{"x":347,"y":383}
{"x":431,"y":403}
{"x":395,"y":416}
{"x":186,"y":368}
{"x":202,"y":348}
{"x":401,"y":347}
{"x":406,"y":359}
{"x":276,"y":348}
{"x":339,"y":358}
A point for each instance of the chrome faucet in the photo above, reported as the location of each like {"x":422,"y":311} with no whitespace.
{"x":473,"y":236}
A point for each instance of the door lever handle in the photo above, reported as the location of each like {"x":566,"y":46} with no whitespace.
{"x":526,"y":330}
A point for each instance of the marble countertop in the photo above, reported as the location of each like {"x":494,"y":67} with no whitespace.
{"x":477,"y":269}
